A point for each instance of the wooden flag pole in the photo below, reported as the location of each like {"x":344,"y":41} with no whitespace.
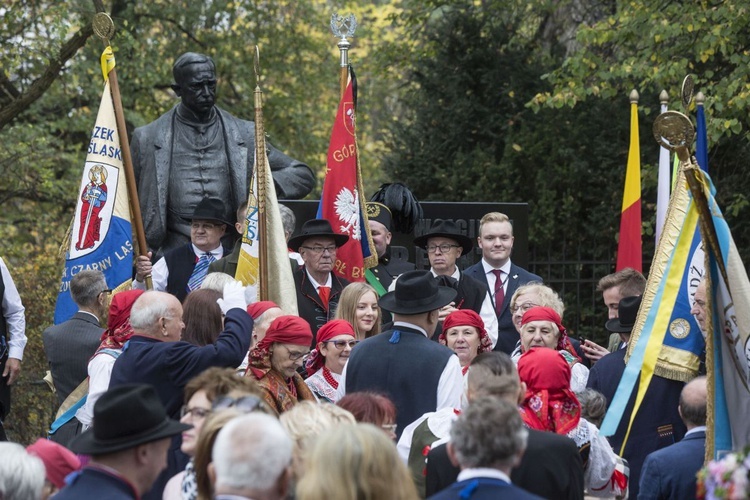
{"x":104,"y":28}
{"x":261,"y":168}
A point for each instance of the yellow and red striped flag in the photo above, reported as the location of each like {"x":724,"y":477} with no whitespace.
{"x":629,"y":248}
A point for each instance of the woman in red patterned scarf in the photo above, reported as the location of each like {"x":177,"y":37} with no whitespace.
{"x":550,"y":405}
{"x":275,"y":360}
{"x":336,"y":339}
{"x":114,"y":337}
{"x":464,"y":333}
{"x":542,"y":327}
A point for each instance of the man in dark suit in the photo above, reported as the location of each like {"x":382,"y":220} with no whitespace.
{"x":69,"y":345}
{"x":184,"y":268}
{"x":486,"y":463}
{"x":551,"y":466}
{"x":128,"y":446}
{"x":418,"y":375}
{"x":156,"y":356}
{"x":669,"y":473}
{"x":198,"y":150}
{"x":657,"y":424}
{"x":318,"y":287}
{"x":445,"y":243}
{"x":500,"y":274}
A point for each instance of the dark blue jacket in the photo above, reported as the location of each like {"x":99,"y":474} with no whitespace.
{"x":169,"y":366}
{"x":507,"y":336}
{"x":482,"y":488}
{"x":669,"y":473}
{"x":405,"y":367}
{"x":93,"y":483}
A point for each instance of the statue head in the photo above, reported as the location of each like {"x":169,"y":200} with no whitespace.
{"x":195,"y":82}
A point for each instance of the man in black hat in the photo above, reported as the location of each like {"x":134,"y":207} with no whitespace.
{"x":445,"y":244}
{"x":418,"y":375}
{"x":318,"y":287}
{"x":128,"y":445}
{"x":379,"y":220}
{"x":657,"y":423}
{"x":184,"y":268}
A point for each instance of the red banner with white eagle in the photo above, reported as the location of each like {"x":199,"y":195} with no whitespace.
{"x":342,"y":202}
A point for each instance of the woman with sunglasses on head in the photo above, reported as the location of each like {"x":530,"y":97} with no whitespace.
{"x":336,"y":339}
{"x":201,"y":394}
{"x":274,"y":362}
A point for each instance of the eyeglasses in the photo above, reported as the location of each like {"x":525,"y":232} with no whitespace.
{"x":106,"y":290}
{"x":319,"y":250}
{"x":444,"y":248}
{"x":523,"y":307}
{"x":202,"y":225}
{"x":245,"y":404}
{"x":341,"y":344}
{"x":195,"y":412}
{"x":294,"y":355}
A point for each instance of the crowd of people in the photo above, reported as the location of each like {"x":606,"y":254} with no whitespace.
{"x":405,"y":394}
{"x":444,"y":383}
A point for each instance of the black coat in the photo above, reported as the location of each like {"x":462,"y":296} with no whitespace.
{"x":310,"y":307}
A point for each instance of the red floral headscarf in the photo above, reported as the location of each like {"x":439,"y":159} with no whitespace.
{"x":119,"y":330}
{"x":333,"y":328}
{"x":540,"y":313}
{"x":549,"y":404}
{"x":467,"y":317}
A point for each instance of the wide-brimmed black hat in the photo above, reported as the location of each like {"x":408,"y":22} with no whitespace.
{"x":212,"y":209}
{"x":379,"y":213}
{"x":627,"y":311}
{"x":124,"y":417}
{"x":313,"y":228}
{"x":416,"y":292}
{"x":446,"y":229}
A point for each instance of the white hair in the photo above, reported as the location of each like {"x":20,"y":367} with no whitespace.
{"x":216,"y":281}
{"x":251,"y":452}
{"x":147,"y":310}
{"x":21,"y":474}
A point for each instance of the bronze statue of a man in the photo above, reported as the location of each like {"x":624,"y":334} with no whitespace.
{"x":198,"y":150}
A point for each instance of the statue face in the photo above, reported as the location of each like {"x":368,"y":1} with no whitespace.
{"x":197,"y":87}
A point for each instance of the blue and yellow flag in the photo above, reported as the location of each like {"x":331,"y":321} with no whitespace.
{"x":666,"y":340}
{"x":101,"y":237}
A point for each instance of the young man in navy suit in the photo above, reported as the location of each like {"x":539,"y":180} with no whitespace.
{"x":669,"y":473}
{"x":501,"y":276}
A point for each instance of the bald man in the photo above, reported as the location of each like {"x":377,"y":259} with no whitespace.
{"x":669,"y":473}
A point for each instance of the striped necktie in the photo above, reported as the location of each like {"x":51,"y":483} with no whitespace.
{"x":200,"y":271}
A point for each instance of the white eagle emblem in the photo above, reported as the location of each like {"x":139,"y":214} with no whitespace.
{"x":347,"y":210}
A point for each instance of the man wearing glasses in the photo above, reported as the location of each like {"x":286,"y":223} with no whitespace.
{"x":184,"y":268}
{"x":69,"y":345}
{"x":445,"y":244}
{"x":318,"y":287}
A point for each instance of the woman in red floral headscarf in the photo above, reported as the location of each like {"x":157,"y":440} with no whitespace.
{"x":275,"y":360}
{"x":464,"y":333}
{"x":542,"y":327}
{"x":336,"y":339}
{"x":550,"y":405}
{"x":114,"y":337}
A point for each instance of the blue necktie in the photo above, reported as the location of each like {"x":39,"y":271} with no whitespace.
{"x":200,"y":271}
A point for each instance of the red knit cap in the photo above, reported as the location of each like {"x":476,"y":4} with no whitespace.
{"x":258,"y":308}
{"x":287,"y":330}
{"x":58,"y":460}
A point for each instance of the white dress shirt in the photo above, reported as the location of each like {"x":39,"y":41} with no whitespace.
{"x":160,"y":271}
{"x":13,"y":312}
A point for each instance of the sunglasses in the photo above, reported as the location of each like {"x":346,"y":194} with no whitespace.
{"x":341,"y":344}
{"x":245,"y":404}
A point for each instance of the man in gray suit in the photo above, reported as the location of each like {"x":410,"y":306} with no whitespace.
{"x":71,"y":344}
{"x":197,"y":150}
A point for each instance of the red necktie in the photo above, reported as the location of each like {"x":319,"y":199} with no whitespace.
{"x":324,"y":292}
{"x":499,"y":293}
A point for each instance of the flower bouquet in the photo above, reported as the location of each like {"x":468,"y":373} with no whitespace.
{"x":726,"y":478}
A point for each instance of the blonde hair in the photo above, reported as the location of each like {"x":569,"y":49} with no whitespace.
{"x":547,"y":296}
{"x":355,"y":461}
{"x":347,"y":307}
{"x":494,"y":217}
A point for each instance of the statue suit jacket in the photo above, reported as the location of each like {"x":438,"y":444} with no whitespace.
{"x":68,"y":347}
{"x":669,"y":473}
{"x":507,"y":336}
{"x":151,"y":148}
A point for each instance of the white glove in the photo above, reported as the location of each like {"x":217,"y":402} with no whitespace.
{"x":234,"y":296}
